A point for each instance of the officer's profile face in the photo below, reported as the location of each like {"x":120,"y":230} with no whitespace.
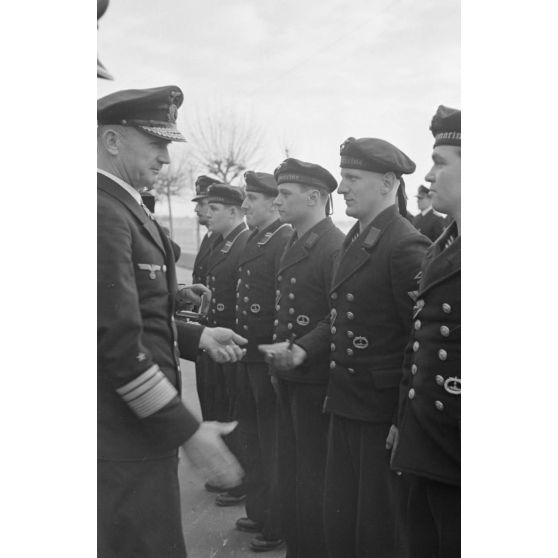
{"x":218,"y":217}
{"x":423,"y":201}
{"x":445,"y":179}
{"x":141,"y":157}
{"x":202,"y":211}
{"x":361,"y":190}
{"x":258,"y":208}
{"x":292,"y":202}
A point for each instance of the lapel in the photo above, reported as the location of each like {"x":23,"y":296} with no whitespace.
{"x":205,"y":249}
{"x":355,"y":254}
{"x":110,"y":187}
{"x":439,"y":264}
{"x":222,"y":250}
{"x":169,"y":260}
{"x":258,"y":240}
{"x":298,"y":249}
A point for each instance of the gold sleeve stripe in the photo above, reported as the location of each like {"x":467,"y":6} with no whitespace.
{"x":148,"y":393}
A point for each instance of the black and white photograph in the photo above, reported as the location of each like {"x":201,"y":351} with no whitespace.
{"x":279,"y":294}
{"x":253,"y":345}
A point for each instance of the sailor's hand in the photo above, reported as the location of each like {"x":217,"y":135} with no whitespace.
{"x":191,"y":294}
{"x":283,"y":356}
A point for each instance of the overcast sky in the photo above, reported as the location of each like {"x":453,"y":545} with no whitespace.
{"x":311,"y":72}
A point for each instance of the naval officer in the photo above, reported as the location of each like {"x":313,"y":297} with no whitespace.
{"x":142,"y":420}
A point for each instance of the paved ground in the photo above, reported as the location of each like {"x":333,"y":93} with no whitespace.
{"x":208,"y":529}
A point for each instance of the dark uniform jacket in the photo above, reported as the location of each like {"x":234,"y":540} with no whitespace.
{"x":371,"y":300}
{"x":303,"y":283}
{"x":430,"y":225}
{"x":222,"y":277}
{"x":140,"y":412}
{"x":199,"y":273}
{"x":430,"y":395}
{"x":257,"y":271}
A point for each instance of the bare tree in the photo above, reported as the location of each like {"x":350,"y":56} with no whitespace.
{"x":225,"y":143}
{"x":175,"y":178}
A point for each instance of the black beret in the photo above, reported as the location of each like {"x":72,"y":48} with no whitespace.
{"x":151,"y":110}
{"x":446,"y":126}
{"x":226,"y":194}
{"x":423,"y":191}
{"x":261,"y":182}
{"x":203,"y":182}
{"x":375,"y":155}
{"x":308,"y":174}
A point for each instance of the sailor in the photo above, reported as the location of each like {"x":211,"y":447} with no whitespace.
{"x":255,"y":313}
{"x":226,"y":219}
{"x":303,"y":283}
{"x":427,"y":445}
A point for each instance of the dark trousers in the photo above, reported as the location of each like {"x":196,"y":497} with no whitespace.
{"x":301,"y":449}
{"x":203,"y":385}
{"x":221,"y":404}
{"x":434,"y":512}
{"x":257,"y":416}
{"x":219,"y":390}
{"x":362,"y":499}
{"x":138,"y":509}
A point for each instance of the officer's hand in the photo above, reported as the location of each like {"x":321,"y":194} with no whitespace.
{"x":209,"y":455}
{"x":191,"y":294}
{"x":281,"y":357}
{"x":392,"y":440}
{"x":222,"y":344}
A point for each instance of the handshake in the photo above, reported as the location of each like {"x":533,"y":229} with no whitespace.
{"x":222,"y":344}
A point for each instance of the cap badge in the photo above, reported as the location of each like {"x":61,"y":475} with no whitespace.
{"x":302,"y":320}
{"x":346,"y":143}
{"x":453,"y":385}
{"x":360,"y":342}
{"x":173,"y":109}
{"x":255,"y":308}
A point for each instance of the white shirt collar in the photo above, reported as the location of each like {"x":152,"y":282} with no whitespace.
{"x":134,"y":193}
{"x":424,"y":212}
